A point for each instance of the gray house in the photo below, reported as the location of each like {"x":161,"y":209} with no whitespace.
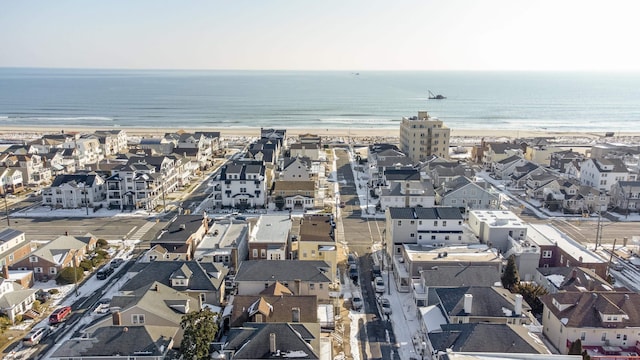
{"x":465,"y":194}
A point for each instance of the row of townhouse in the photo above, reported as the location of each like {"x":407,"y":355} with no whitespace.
{"x":200,"y":147}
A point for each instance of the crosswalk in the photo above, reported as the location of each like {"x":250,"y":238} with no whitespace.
{"x":141,"y":231}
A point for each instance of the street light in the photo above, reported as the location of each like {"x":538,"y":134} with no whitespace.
{"x":6,"y":209}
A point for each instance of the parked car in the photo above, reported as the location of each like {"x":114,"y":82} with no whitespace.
{"x":353,"y":273}
{"x":352,"y":259}
{"x":59,"y":315}
{"x":385,"y":305}
{"x":104,"y":273}
{"x":375,"y":271}
{"x":42,"y":295}
{"x":356,"y":301}
{"x":35,"y":336}
{"x":116,"y":262}
{"x":379,"y":284}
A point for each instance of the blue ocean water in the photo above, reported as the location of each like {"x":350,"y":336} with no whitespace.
{"x":554,"y":101}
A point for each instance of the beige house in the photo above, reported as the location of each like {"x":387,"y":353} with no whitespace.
{"x":605,"y":320}
{"x":297,"y":195}
{"x":317,"y":241}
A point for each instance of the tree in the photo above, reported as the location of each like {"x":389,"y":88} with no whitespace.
{"x":200,"y":329}
{"x":510,"y":277}
{"x":102,"y":243}
{"x":576,"y":348}
{"x":552,"y":204}
{"x":531,"y":294}
{"x":279,"y":201}
{"x":66,"y":275}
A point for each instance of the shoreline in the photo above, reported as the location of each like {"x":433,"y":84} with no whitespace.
{"x":332,"y":132}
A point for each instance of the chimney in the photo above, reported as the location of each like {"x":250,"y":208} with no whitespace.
{"x":5,"y":270}
{"x":155,"y":288}
{"x":183,"y":226}
{"x":517,"y":310}
{"x":574,"y":274}
{"x":117,"y":318}
{"x":272,"y":343}
{"x":468,"y":300}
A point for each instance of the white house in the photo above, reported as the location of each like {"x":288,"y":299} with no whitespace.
{"x":241,"y":185}
{"x":603,"y":173}
{"x":76,"y":191}
{"x":497,"y":227}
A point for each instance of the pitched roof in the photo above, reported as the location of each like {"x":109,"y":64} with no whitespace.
{"x":277,"y":289}
{"x":293,"y":185}
{"x":110,"y":340}
{"x":574,"y":279}
{"x":252,"y":341}
{"x":274,"y":308}
{"x":56,"y":250}
{"x":472,"y":337}
{"x":460,"y":276}
{"x":75,"y":180}
{"x":282,"y":270}
{"x":584,"y":309}
{"x":486,"y":302}
{"x":205,"y":276}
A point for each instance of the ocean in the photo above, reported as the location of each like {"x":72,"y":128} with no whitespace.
{"x":554,"y":101}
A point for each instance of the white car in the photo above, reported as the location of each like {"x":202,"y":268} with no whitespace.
{"x":379,"y":284}
{"x":385,"y":305}
{"x":356,"y":301}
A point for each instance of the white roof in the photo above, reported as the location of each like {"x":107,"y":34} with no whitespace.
{"x":548,"y":235}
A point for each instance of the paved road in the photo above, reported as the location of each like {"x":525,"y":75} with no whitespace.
{"x":361,"y":235}
{"x":113,"y":228}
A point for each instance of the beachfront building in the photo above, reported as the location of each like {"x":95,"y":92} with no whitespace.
{"x":240,"y":185}
{"x":609,"y":150}
{"x":89,"y":150}
{"x":435,"y":226}
{"x":493,"y":152}
{"x":198,"y":146}
{"x":112,"y":141}
{"x":308,"y":150}
{"x":422,"y":136}
{"x":316,"y":241}
{"x":466,"y":195}
{"x":602,"y":174}
{"x":605,"y":322}
{"x":625,"y":196}
{"x":142,"y":183}
{"x":74,"y":191}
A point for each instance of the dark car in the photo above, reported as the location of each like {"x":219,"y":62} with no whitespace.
{"x":352,"y":259}
{"x":116,"y":262}
{"x":42,"y":295}
{"x":353,"y":273}
{"x":104,"y":273}
{"x":375,"y":271}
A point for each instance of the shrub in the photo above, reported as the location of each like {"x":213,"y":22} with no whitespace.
{"x":53,"y":291}
{"x":86,"y":265}
{"x":102,"y":243}
{"x":70,"y":275}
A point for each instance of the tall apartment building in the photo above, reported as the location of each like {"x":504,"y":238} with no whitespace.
{"x":422,"y":136}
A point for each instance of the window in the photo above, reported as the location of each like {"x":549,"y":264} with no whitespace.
{"x":263,"y":253}
{"x":295,"y":315}
{"x":604,"y":336}
{"x":547,"y":254}
{"x":412,"y":235}
{"x":412,"y":222}
{"x":37,"y":270}
{"x":435,"y":223}
{"x":137,"y":319}
{"x":583,"y":335}
{"x":399,"y":222}
{"x":444,"y":223}
{"x":33,"y":259}
{"x":255,"y":253}
{"x":312,"y":286}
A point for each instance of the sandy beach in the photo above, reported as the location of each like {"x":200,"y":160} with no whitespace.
{"x":457,"y":135}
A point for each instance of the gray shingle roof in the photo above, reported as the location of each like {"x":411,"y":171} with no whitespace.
{"x":461,"y":276}
{"x":487,"y":301}
{"x":480,"y":337}
{"x":282,"y":270}
{"x":252,"y":341}
{"x":203,"y":276}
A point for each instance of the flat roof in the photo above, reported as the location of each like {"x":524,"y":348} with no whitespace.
{"x":469,"y":253}
{"x":222,"y":237}
{"x":547,"y":235}
{"x":498,"y":218}
{"x":271,"y":228}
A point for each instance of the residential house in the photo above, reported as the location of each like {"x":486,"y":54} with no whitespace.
{"x":295,"y":169}
{"x":294,"y":195}
{"x":268,"y":340}
{"x":414,"y":259}
{"x":240,"y":185}
{"x":496,"y":227}
{"x":156,"y":253}
{"x":558,"y":250}
{"x":437,"y":226}
{"x":183,"y":235}
{"x":200,"y":280}
{"x":422,"y":136}
{"x":89,"y":149}
{"x":452,"y":276}
{"x":481,"y":304}
{"x":602,"y":150}
{"x":15,"y":299}
{"x":273,"y":309}
{"x":140,"y":342}
{"x":560,"y":159}
{"x":13,"y":246}
{"x":266,"y":151}
{"x":531,"y":174}
{"x":316,"y":241}
{"x":30,"y":165}
{"x":11,"y":181}
{"x":605,"y":322}
{"x":270,"y":238}
{"x":376,"y":170}
{"x":308,"y":150}
{"x":602,"y":174}
{"x":572,"y":197}
{"x":76,"y":191}
{"x":226,"y":242}
{"x":159,"y":146}
{"x":465,"y":194}
{"x":301,"y":277}
{"x":276,"y":136}
{"x":575,"y":278}
{"x":468,"y":338}
{"x":112,"y":141}
{"x":153,"y":304}
{"x":625,"y":196}
{"x":539,"y":150}
{"x":504,"y":168}
{"x":55,"y":161}
{"x":48,"y":260}
{"x":406,"y":194}
{"x":494,"y":152}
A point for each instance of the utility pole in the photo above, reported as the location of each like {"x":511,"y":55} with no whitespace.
{"x":86,"y":203}
{"x":598,"y":229}
{"x":6,"y":209}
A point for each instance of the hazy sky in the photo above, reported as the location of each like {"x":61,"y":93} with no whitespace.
{"x":322,"y":35}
